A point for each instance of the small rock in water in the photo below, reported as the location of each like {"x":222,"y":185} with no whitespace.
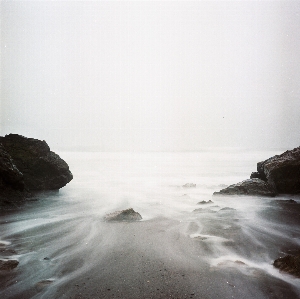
{"x":231,"y":264}
{"x":203,"y":202}
{"x":227,"y":209}
{"x":8,"y":264}
{"x":124,"y":215}
{"x":289,"y":264}
{"x":189,"y":185}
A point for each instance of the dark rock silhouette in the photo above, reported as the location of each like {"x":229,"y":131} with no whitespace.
{"x":289,"y":264}
{"x":278,"y":174}
{"x":203,"y":202}
{"x":27,"y":165}
{"x":248,"y":187}
{"x":124,"y":215}
{"x":282,"y":171}
{"x":9,"y":173}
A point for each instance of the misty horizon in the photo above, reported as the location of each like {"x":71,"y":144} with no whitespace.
{"x":151,"y":76}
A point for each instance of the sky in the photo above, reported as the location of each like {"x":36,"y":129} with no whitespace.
{"x":151,"y":75}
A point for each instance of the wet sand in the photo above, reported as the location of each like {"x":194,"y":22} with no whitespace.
{"x":198,"y":255}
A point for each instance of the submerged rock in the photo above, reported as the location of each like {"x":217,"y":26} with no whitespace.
{"x":124,"y":215}
{"x":8,"y":264}
{"x":289,"y":264}
{"x":248,"y":187}
{"x":43,"y":284}
{"x":282,"y":172}
{"x":27,"y":165}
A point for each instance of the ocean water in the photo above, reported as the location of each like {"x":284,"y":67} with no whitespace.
{"x":230,"y":244}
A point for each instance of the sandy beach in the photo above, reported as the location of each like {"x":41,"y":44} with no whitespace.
{"x":158,"y":258}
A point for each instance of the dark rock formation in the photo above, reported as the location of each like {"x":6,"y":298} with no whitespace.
{"x":8,"y":264}
{"x":248,"y":187}
{"x":203,"y":202}
{"x":282,"y":171}
{"x":9,"y":173}
{"x":27,"y":165}
{"x":124,"y":215}
{"x":289,"y":264}
{"x":11,"y":179}
{"x":42,"y":169}
{"x":281,"y":174}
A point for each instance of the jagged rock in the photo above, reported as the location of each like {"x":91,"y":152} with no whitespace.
{"x":42,"y":169}
{"x":203,"y":202}
{"x":8,"y":264}
{"x":189,"y":185}
{"x":27,"y":166}
{"x":124,"y":215}
{"x":289,"y":264}
{"x":282,"y":172}
{"x":248,"y":187}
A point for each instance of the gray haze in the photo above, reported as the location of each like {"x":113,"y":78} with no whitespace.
{"x":131,"y":76}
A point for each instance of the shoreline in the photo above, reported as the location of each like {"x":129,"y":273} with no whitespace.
{"x":156,"y":258}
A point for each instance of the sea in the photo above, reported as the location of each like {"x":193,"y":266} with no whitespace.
{"x":60,"y":236}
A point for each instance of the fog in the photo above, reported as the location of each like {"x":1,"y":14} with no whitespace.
{"x":151,"y":76}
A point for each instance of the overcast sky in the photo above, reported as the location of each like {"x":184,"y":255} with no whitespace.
{"x":132,"y":76}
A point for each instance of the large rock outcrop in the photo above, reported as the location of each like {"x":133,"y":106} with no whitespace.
{"x":249,"y":187}
{"x":282,"y":171}
{"x":278,"y":174}
{"x":27,"y":165}
{"x":9,"y":173}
